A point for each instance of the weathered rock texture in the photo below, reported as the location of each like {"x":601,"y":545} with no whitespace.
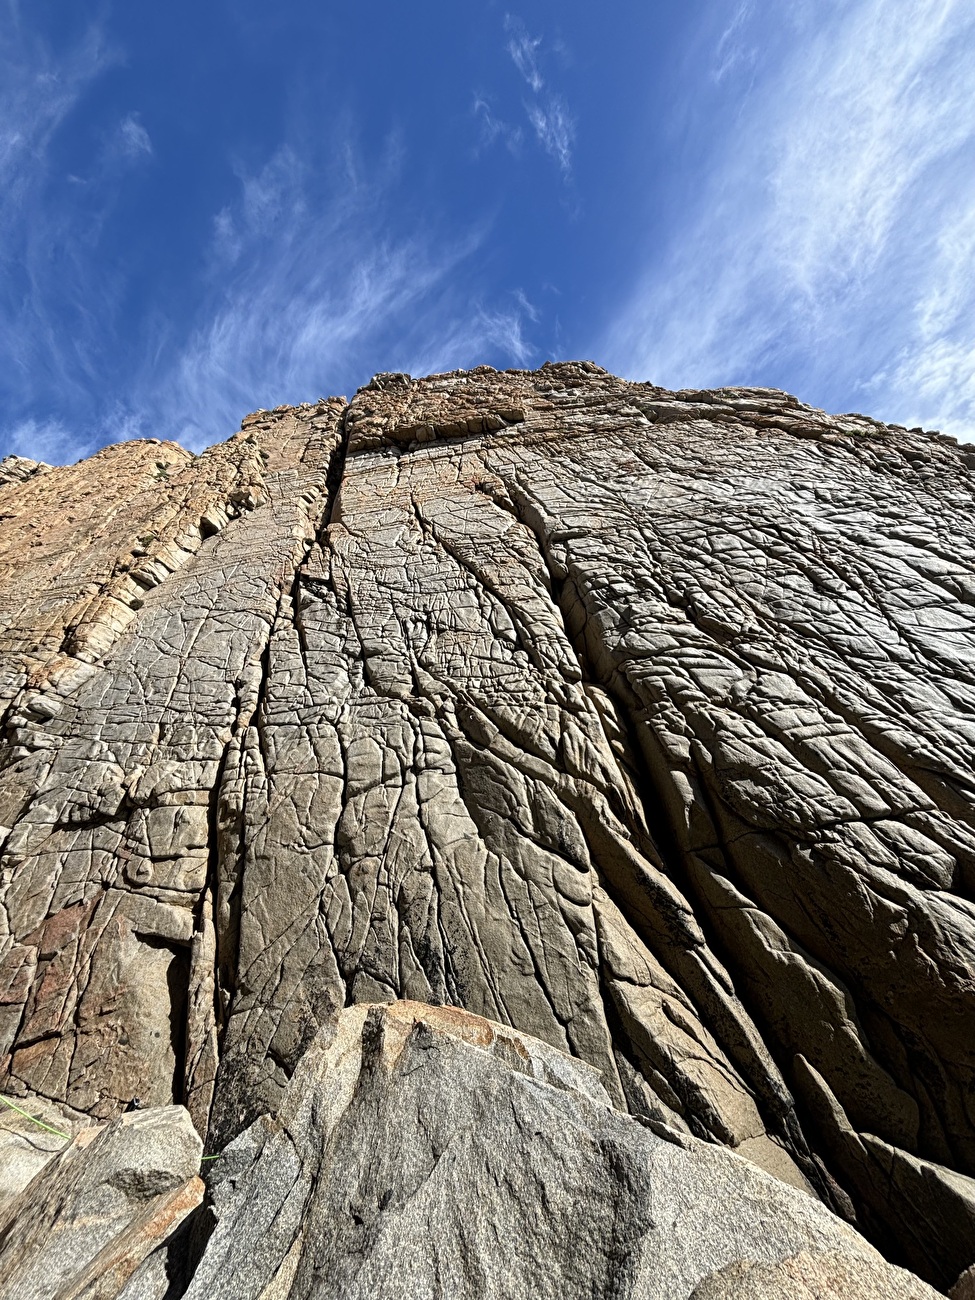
{"x":511,"y":1177}
{"x":82,"y":1226}
{"x":639,"y":721}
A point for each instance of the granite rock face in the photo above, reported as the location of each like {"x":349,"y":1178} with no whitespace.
{"x":641,"y":722}
{"x":86,"y":1221}
{"x":510,"y":1176}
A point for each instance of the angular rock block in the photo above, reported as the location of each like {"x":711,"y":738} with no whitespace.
{"x":85,"y":1222}
{"x":425,"y":1152}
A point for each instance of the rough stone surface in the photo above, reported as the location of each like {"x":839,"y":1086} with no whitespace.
{"x":425,"y":1152}
{"x":32,"y":1132}
{"x":639,"y":721}
{"x":807,"y":1276}
{"x":84,"y":1223}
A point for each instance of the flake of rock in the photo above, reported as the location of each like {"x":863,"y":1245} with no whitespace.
{"x":87,"y":1219}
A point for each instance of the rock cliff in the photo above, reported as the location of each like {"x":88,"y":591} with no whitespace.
{"x":639,"y":723}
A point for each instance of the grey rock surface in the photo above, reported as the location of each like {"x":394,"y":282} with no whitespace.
{"x":425,"y":1152}
{"x":639,"y":721}
{"x":32,"y":1133}
{"x":807,"y":1276}
{"x":87,"y":1219}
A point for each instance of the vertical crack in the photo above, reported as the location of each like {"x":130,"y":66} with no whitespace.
{"x":236,"y":803}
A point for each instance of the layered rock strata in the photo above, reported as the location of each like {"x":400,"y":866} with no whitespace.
{"x":638,"y":721}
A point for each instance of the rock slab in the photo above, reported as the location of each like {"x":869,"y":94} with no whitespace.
{"x":425,"y":1152}
{"x":85,"y":1222}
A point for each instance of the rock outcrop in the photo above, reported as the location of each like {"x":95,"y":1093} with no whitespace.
{"x":639,"y":722}
{"x":427,"y":1152}
{"x":86,"y":1221}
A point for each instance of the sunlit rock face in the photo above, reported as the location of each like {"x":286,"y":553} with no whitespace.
{"x":640,"y":722}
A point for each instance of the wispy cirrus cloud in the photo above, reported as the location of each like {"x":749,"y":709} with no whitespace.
{"x":735,"y":46}
{"x":310,"y":277}
{"x":38,"y":90}
{"x":554,"y":129}
{"x":41,"y":263}
{"x":524,"y":52}
{"x":132,"y":139}
{"x":46,"y":440}
{"x":547,"y":111}
{"x":466,"y":341}
{"x":495,"y":128}
{"x":834,"y":238}
{"x":307,"y":286}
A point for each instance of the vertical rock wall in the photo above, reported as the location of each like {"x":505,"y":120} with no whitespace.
{"x":639,"y":721}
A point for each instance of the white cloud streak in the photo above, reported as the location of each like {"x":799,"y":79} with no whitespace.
{"x":528,"y":307}
{"x":133,"y":138}
{"x":547,"y":112}
{"x":306,"y":291}
{"x":733,"y":48}
{"x":523,"y":50}
{"x":311,"y":279}
{"x":836,"y":235}
{"x":37,"y":92}
{"x":495,"y":128}
{"x":554,"y":129}
{"x":46,"y":440}
{"x":38,"y":264}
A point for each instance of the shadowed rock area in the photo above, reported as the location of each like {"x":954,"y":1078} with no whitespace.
{"x":638,"y":722}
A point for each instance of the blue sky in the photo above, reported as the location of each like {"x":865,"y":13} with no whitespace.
{"x":210,"y":207}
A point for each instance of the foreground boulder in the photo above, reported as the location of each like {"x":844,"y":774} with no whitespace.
{"x":84,"y":1223}
{"x":425,"y":1152}
{"x":29,"y":1139}
{"x":638,"y":721}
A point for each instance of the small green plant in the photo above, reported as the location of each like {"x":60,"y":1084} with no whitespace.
{"x":57,"y":1132}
